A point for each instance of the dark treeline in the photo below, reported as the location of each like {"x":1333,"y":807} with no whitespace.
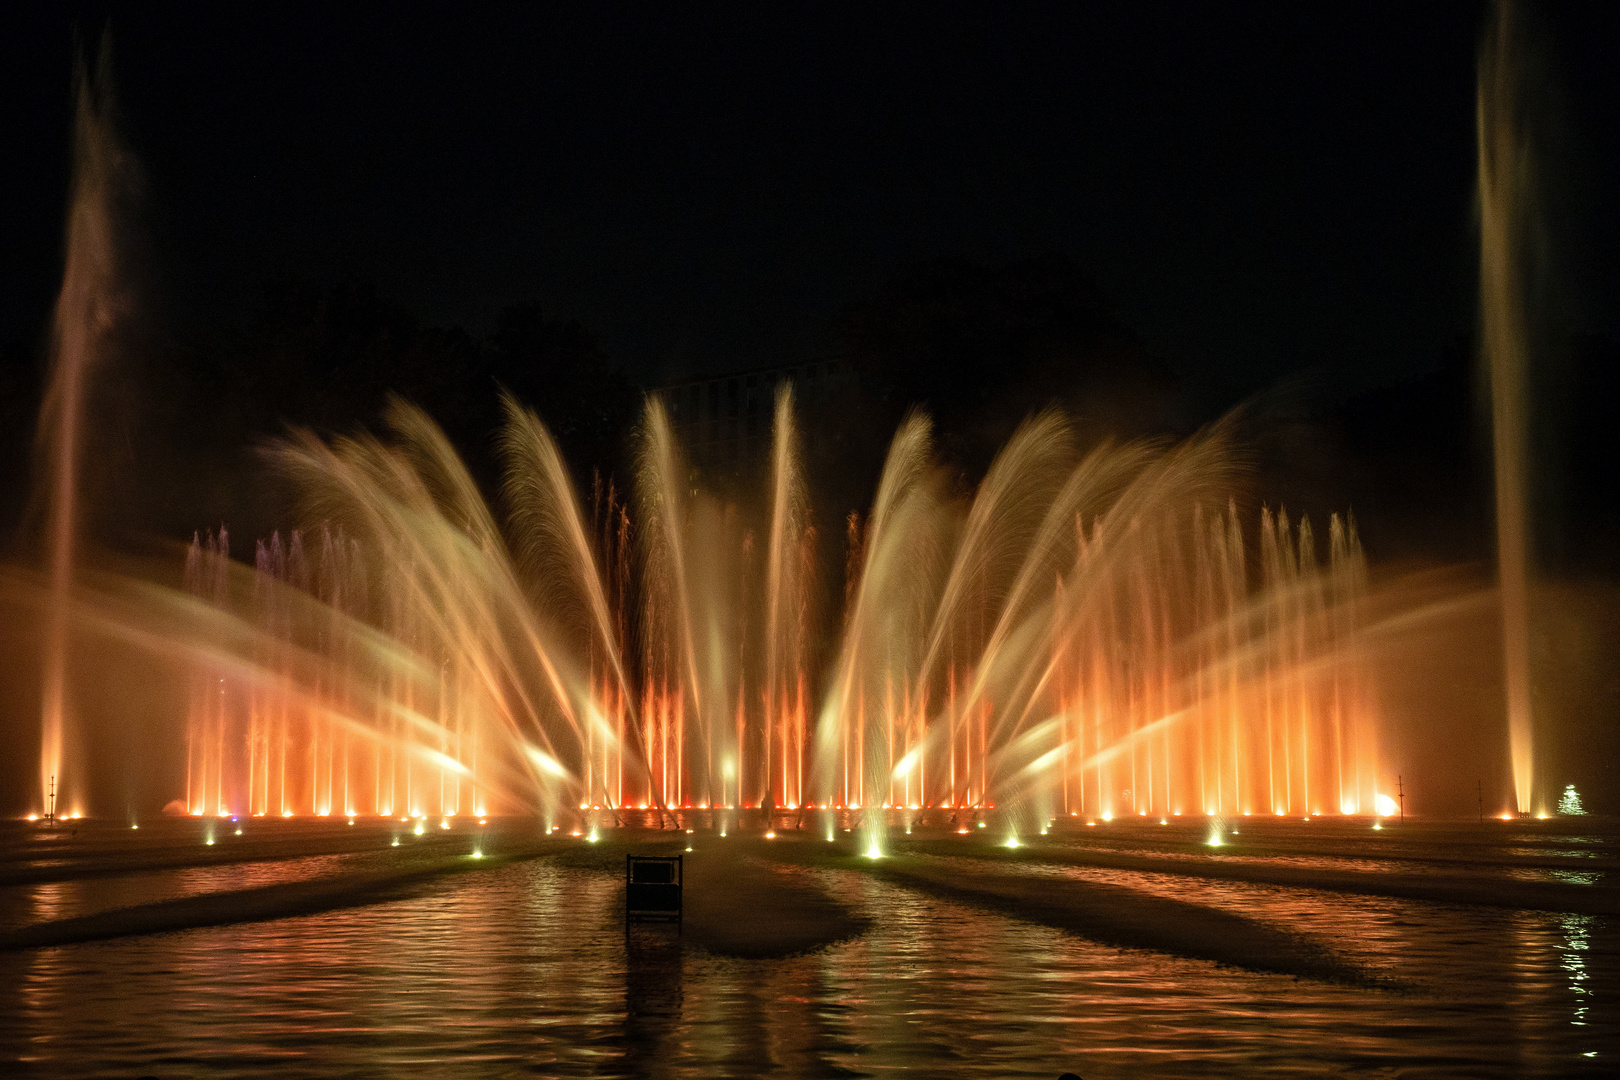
{"x":1413,"y":459}
{"x":177,"y":430}
{"x":329,"y":360}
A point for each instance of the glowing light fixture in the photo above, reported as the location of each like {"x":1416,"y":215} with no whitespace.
{"x":1569,"y":803}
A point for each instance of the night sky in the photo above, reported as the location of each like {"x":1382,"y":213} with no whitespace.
{"x":1258,"y":189}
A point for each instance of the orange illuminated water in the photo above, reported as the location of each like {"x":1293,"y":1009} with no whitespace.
{"x":88,"y":312}
{"x":1507,"y":256}
{"x":1105,"y":630}
{"x":1099,"y":634}
{"x":527,"y":968}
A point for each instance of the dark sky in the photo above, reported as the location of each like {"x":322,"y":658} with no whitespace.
{"x":1258,"y":188}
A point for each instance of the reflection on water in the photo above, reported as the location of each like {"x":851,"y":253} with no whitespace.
{"x":24,"y":904}
{"x":526,"y":970}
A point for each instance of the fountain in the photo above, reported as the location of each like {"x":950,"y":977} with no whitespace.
{"x":1081,"y":637}
{"x":88,"y":312}
{"x":1505,"y":195}
{"x":1093,"y":635}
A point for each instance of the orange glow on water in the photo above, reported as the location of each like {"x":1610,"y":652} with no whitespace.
{"x":1151,"y":689}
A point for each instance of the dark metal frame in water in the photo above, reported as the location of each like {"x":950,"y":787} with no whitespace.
{"x":653,"y":889}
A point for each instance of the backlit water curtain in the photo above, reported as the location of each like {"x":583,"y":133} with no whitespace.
{"x":1095,"y":634}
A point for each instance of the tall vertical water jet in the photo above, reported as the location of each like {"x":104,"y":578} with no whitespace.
{"x":89,"y":309}
{"x":1505,"y":214}
{"x":784,"y":616}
